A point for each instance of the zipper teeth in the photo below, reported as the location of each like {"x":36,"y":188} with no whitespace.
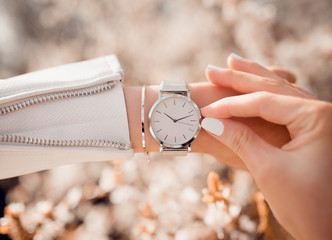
{"x":56,"y":96}
{"x":63,"y":143}
{"x":60,"y":143}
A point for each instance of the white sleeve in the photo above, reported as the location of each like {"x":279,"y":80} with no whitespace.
{"x":67,"y":114}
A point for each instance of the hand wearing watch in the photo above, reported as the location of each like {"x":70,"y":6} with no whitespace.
{"x":174,"y":118}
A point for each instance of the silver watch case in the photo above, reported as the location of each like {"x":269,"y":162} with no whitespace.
{"x":175,"y":146}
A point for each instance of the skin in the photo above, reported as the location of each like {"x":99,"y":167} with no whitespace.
{"x":295,"y":178}
{"x":202,"y":94}
{"x":274,"y":129}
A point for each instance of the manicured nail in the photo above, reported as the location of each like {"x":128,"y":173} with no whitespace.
{"x":213,"y":125}
{"x":234,"y":55}
{"x":213,"y":67}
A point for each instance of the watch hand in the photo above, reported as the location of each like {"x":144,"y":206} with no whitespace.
{"x":170,"y":117}
{"x":183,"y":118}
{"x":187,"y":124}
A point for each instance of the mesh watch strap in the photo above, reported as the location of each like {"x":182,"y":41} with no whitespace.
{"x":173,"y":86}
{"x":179,"y":87}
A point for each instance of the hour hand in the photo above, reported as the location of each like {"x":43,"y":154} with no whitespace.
{"x":170,"y":117}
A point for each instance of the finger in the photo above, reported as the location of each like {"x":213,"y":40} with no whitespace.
{"x":244,"y":65}
{"x":244,"y":82}
{"x":283,"y":73}
{"x":238,"y":63}
{"x":274,"y":108}
{"x":257,"y":154}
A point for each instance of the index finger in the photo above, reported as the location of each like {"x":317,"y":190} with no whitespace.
{"x":245,"y":82}
{"x":274,"y":108}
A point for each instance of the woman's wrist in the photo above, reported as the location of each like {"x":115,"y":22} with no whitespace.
{"x":202,"y":94}
{"x":133,"y":104}
{"x":133,"y":96}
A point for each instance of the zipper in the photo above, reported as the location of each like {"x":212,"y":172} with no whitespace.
{"x":62,"y":143}
{"x":9,"y":138}
{"x":56,"y":96}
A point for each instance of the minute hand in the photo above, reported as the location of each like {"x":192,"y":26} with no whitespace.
{"x":176,"y":120}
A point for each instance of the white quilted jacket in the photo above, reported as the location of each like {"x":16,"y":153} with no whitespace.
{"x":67,"y":114}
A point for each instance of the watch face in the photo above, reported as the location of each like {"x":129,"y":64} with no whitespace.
{"x":174,"y":121}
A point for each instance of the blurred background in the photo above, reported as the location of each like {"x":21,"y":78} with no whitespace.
{"x":155,"y":40}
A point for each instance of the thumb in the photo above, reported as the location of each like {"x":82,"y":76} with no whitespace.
{"x":258,"y":155}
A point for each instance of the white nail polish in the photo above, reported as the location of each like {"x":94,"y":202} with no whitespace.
{"x":213,"y":67}
{"x":234,"y":55}
{"x":213,"y":125}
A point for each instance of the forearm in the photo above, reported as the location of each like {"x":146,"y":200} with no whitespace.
{"x":202,"y":94}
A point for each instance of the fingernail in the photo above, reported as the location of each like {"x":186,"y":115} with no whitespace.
{"x":213,"y":67}
{"x":213,"y":125}
{"x":234,"y":55}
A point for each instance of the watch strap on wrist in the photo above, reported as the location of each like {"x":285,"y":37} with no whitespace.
{"x":175,"y":151}
{"x":177,"y":87}
{"x":173,"y":87}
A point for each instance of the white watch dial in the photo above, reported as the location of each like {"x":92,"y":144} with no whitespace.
{"x":174,"y":120}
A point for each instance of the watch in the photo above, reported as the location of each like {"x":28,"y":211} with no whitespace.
{"x":174,"y":118}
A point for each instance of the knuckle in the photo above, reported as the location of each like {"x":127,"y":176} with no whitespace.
{"x":240,"y":140}
{"x":324,"y":108}
{"x":277,"y":83}
{"x":323,"y":111}
{"x":318,"y":116}
{"x":318,"y":109}
{"x":262,"y":95}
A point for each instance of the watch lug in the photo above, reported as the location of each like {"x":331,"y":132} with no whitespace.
{"x":161,"y":149}
{"x":188,"y":94}
{"x":189,"y":147}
